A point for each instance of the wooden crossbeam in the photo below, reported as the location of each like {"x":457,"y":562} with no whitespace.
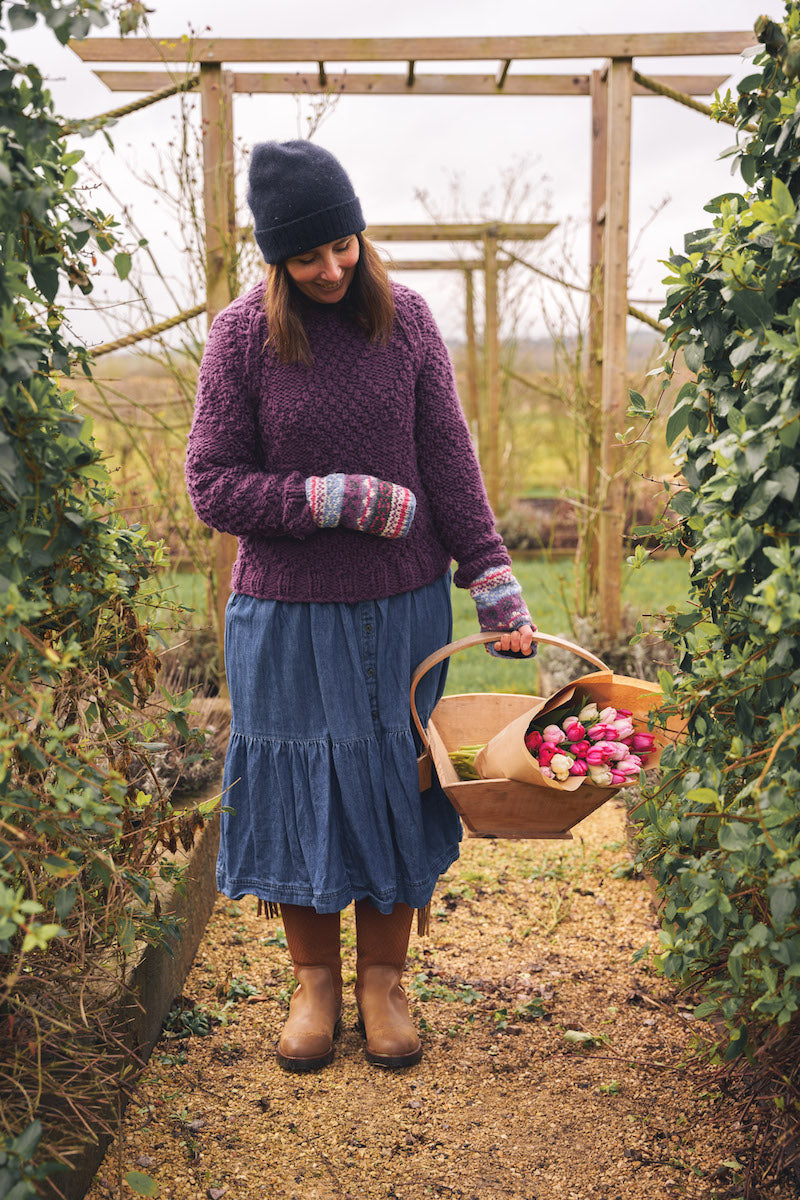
{"x":457,"y":232}
{"x":440,"y":264}
{"x":368,"y":84}
{"x":404,"y":49}
{"x":509,"y":232}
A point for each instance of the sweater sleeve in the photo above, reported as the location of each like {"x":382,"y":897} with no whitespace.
{"x":228,"y":486}
{"x":449,"y":468}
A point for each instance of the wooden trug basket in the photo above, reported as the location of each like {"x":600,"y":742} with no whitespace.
{"x":496,"y":808}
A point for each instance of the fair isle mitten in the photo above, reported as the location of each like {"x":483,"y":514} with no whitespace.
{"x":361,"y":502}
{"x":498,"y":599}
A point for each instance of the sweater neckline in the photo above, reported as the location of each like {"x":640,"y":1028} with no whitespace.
{"x":309,"y":307}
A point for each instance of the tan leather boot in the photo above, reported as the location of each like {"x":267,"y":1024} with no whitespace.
{"x":382,"y":946}
{"x":306,"y":1042}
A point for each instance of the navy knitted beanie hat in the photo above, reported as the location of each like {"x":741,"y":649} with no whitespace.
{"x":300,"y":197}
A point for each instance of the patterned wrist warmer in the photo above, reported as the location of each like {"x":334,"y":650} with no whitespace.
{"x":498,"y":599}
{"x":361,"y":502}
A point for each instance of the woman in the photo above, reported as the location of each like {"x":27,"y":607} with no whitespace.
{"x":329,"y":438}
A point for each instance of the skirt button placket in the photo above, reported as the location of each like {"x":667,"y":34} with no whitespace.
{"x":369,"y":656}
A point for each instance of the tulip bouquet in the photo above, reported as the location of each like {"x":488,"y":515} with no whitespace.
{"x":598,"y":745}
{"x":592,"y":734}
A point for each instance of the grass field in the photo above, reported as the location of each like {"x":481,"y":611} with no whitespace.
{"x":547,"y":585}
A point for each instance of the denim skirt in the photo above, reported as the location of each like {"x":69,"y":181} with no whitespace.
{"x":321,"y":773}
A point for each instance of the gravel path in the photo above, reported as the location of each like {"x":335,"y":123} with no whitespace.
{"x":553,"y":1067}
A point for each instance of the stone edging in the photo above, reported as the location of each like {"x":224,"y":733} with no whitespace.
{"x":152,"y":981}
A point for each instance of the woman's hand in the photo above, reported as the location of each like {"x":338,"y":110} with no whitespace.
{"x":361,"y":502}
{"x":518,"y":641}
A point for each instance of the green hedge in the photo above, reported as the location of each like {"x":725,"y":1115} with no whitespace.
{"x":82,"y":823}
{"x":722,"y":833}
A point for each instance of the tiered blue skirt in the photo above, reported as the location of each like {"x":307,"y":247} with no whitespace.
{"x":321,"y":771}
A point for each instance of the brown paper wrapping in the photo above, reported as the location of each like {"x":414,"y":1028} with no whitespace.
{"x":506,"y":755}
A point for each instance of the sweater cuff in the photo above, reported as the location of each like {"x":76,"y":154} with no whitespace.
{"x":499,"y":603}
{"x":498,"y":599}
{"x":298,"y":521}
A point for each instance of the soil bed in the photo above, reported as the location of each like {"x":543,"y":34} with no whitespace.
{"x":531,"y":947}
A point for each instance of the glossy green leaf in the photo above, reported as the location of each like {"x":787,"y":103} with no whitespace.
{"x":19,"y":16}
{"x":122,"y":264}
{"x":782,"y":906}
{"x":26,"y":1143}
{"x":735,"y":835}
{"x":677,"y":420}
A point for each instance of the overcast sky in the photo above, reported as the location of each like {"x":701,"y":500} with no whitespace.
{"x":393,"y":147}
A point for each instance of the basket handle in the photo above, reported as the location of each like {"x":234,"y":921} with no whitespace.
{"x":481,"y":639}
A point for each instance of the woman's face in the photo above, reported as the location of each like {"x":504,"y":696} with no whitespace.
{"x":326,"y":272}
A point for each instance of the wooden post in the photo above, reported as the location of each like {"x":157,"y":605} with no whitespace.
{"x":473,"y":407}
{"x":230,"y":233}
{"x":587,"y":556}
{"x":615,"y":343}
{"x":492,"y":367}
{"x":218,"y":186}
{"x":219,"y":210}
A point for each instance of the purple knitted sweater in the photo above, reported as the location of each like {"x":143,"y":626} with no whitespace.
{"x":261,"y":428}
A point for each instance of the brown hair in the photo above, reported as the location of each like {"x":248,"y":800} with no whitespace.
{"x":369,"y":299}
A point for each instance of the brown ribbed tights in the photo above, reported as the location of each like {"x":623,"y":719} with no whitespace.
{"x":313,"y":939}
{"x":382,"y":939}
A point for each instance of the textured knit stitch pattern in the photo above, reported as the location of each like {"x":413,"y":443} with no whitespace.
{"x":325,"y":497}
{"x":498,"y":599}
{"x":261,"y":428}
{"x":402,"y":506}
{"x":361,"y":502}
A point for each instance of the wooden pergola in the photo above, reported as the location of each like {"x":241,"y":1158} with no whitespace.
{"x":611,"y":89}
{"x":467,"y":267}
{"x":489,"y":236}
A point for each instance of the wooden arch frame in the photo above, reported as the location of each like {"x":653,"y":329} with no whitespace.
{"x":611,"y":90}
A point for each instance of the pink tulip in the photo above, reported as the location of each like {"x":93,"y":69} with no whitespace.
{"x":579,"y":767}
{"x":623,"y":727}
{"x":579,"y":749}
{"x":624,"y":712}
{"x":533,"y":740}
{"x":599,"y":754}
{"x":643,"y":741}
{"x":545,"y":753}
{"x":629,"y":766}
{"x":573,"y":729}
{"x":548,"y":774}
{"x":553,"y":734}
{"x":610,"y":749}
{"x":608,"y":714}
{"x":599,"y":731}
{"x":619,"y":751}
{"x":617,"y":778}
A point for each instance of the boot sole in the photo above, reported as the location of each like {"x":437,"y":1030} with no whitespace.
{"x":389,"y":1060}
{"x":394,"y":1061}
{"x":300,"y":1065}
